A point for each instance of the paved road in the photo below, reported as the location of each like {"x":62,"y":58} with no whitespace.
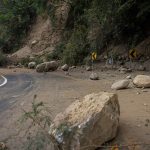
{"x":16,"y":86}
{"x":19,"y":85}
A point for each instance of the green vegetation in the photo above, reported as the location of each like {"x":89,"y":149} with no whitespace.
{"x":25,"y":61}
{"x":3,"y":60}
{"x":15,"y":19}
{"x":39,"y":119}
{"x":77,"y":47}
{"x":116,"y":21}
{"x":119,"y":21}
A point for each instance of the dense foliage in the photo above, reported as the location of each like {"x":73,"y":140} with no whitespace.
{"x":15,"y":19}
{"x":118,"y":21}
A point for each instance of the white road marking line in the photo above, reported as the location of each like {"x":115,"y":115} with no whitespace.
{"x":5,"y":81}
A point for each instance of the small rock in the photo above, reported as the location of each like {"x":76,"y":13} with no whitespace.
{"x":142,"y":81}
{"x":65,"y":67}
{"x":34,"y":42}
{"x":94,"y":76}
{"x":19,"y":65}
{"x":72,"y":67}
{"x":88,"y":68}
{"x":122,"y":84}
{"x":129,"y":77}
{"x":145,"y":104}
{"x":138,"y":125}
{"x":32,"y":65}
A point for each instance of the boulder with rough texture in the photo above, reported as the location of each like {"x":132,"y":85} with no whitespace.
{"x":47,"y":66}
{"x":88,"y":123}
{"x":94,"y":76}
{"x":51,"y":66}
{"x":32,"y":65}
{"x":40,"y":67}
{"x":142,"y":81}
{"x":65,"y":67}
{"x":122,"y":84}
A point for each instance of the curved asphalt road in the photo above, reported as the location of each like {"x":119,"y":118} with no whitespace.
{"x":3,"y":81}
{"x":16,"y":86}
{"x":19,"y":85}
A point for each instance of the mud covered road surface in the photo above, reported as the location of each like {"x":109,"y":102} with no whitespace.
{"x":58,"y":91}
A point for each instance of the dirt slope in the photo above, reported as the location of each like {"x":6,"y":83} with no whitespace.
{"x":43,"y":36}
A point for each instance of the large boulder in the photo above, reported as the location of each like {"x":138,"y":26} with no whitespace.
{"x":32,"y":65}
{"x":88,"y":123}
{"x":142,"y":81}
{"x":65,"y":67}
{"x":40,"y":67}
{"x":122,"y":84}
{"x":47,"y":66}
{"x":51,"y":66}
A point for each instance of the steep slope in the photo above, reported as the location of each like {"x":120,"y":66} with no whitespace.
{"x":43,"y":36}
{"x":80,"y":26}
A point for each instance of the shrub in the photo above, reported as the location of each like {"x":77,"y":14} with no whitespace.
{"x":57,"y":53}
{"x":25,"y":61}
{"x":15,"y":19}
{"x":39,"y":119}
{"x":87,"y":61}
{"x":38,"y":60}
{"x":77,"y":47}
{"x":3,"y":59}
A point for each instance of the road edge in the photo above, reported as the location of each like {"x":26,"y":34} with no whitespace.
{"x":5,"y":81}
